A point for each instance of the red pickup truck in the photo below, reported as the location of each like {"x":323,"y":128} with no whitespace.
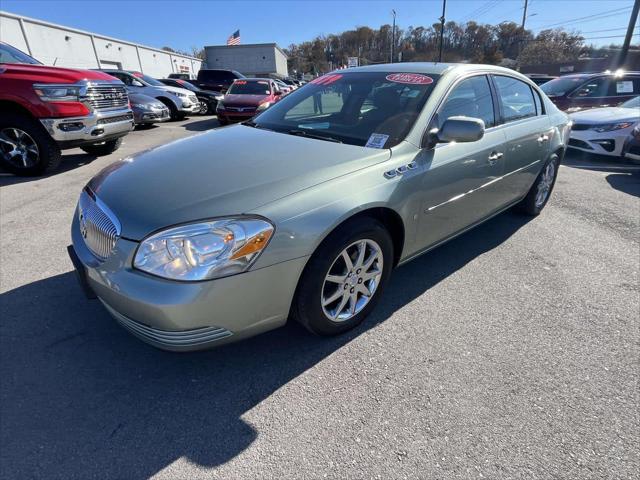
{"x":46,"y":109}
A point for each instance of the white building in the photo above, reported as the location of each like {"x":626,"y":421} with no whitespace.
{"x":67,"y":47}
{"x":259,"y":59}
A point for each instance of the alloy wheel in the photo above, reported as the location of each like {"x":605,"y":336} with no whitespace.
{"x":18,"y":148}
{"x":546,"y":181}
{"x":352,"y":280}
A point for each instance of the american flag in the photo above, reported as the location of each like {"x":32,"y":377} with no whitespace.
{"x":234,"y":38}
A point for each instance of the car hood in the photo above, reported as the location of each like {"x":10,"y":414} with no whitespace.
{"x":227,"y":171}
{"x":184,"y":91}
{"x":231,"y":100}
{"x":45,"y":74}
{"x":605,"y":115}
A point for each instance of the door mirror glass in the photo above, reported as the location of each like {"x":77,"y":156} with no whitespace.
{"x":460,"y":129}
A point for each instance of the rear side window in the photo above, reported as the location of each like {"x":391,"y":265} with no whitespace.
{"x":624,"y":86}
{"x":516,"y":98}
{"x":538,"y":102}
{"x":470,"y":98}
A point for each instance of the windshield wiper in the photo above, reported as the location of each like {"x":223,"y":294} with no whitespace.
{"x":305,"y":133}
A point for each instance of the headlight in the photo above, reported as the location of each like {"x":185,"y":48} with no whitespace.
{"x":263,"y":106}
{"x":179,"y":94}
{"x":608,"y":127}
{"x":142,"y":106}
{"x":206,"y":250}
{"x":57,"y":93}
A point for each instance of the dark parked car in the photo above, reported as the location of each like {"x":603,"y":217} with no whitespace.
{"x":245,"y":98}
{"x":540,"y":78}
{"x":181,"y":76}
{"x":631,"y":149}
{"x":589,"y":90}
{"x":147,"y":110}
{"x":217,"y":80}
{"x":207,"y":98}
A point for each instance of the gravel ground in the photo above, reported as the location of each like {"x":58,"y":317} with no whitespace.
{"x":511,"y":352}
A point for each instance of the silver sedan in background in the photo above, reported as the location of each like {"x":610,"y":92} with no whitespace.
{"x":304,"y":211}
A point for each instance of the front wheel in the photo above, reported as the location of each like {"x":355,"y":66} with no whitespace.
{"x":344,"y":278}
{"x":25,"y":146}
{"x":541,"y":189}
{"x":103,"y":148}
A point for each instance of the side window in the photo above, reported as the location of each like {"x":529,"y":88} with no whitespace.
{"x":516,"y":98}
{"x":470,"y":98}
{"x":538,"y":102}
{"x":624,"y":86}
{"x":596,"y":87}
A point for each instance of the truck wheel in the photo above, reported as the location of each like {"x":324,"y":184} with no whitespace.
{"x":25,"y":146}
{"x":103,"y":148}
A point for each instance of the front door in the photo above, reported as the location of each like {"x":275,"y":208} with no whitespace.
{"x":460,"y":180}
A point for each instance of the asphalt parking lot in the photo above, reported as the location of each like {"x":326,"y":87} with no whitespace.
{"x":511,"y":352}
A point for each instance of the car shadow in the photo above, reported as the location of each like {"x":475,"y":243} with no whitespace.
{"x":626,"y":182}
{"x":601,"y":163}
{"x":202,"y":125}
{"x":88,"y":400}
{"x":69,"y":162}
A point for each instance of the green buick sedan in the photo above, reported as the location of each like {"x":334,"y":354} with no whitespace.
{"x":303,"y":211}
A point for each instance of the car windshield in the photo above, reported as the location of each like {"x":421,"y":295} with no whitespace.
{"x":560,"y":86}
{"x":633,"y":103}
{"x":249,"y":87}
{"x":149,"y":80}
{"x":374,"y":109}
{"x":9,"y":54}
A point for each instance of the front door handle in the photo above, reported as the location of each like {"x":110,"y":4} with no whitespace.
{"x":543,"y":138}
{"x":494,"y":157}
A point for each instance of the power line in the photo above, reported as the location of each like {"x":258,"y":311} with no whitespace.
{"x":606,"y":30}
{"x":607,"y":13}
{"x":610,"y":36}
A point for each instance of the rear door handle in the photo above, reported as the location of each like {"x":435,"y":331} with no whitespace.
{"x":494,"y":157}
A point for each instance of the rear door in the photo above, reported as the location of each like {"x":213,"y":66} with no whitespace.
{"x":528,"y":133}
{"x":459,"y":184}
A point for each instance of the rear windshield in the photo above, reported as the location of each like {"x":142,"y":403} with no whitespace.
{"x":374,"y":109}
{"x":250,"y":87}
{"x":561,"y":86}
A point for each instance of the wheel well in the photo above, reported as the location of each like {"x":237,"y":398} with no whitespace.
{"x":167,"y":102}
{"x":392,"y":222}
{"x":8,"y":106}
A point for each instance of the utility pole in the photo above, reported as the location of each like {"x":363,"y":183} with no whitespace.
{"x":444,"y":8}
{"x":524,"y":19}
{"x":622,"y":57}
{"x":393,"y":35}
{"x":524,"y":14}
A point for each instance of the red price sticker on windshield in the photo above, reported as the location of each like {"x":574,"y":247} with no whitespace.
{"x":240,"y":82}
{"x":410,"y":78}
{"x":326,"y":79}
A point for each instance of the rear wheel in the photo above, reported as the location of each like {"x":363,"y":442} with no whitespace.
{"x":541,"y":189}
{"x":344,"y":278}
{"x":103,"y":148}
{"x":25,"y":146}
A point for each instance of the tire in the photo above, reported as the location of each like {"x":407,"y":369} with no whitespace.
{"x":174,"y":114}
{"x":532,"y":204}
{"x":315,"y":288}
{"x":41,"y":151}
{"x":222,"y":121}
{"x":104,"y":148}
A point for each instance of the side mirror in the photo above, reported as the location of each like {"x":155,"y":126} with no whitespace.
{"x":457,"y":129}
{"x":136,"y":83}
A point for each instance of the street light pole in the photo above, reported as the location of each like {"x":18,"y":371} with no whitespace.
{"x":393,"y":35}
{"x":444,"y":8}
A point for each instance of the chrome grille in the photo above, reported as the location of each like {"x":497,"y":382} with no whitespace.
{"x":99,"y":227}
{"x":580,"y":126}
{"x":105,"y":97}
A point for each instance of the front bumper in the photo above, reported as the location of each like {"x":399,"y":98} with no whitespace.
{"x":605,"y":143}
{"x":231,"y":116}
{"x":93,"y":128}
{"x":190,"y":106}
{"x":186,"y":316}
{"x":151,"y":116}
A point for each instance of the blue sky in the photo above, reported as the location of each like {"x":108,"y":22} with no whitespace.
{"x":182,"y":24}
